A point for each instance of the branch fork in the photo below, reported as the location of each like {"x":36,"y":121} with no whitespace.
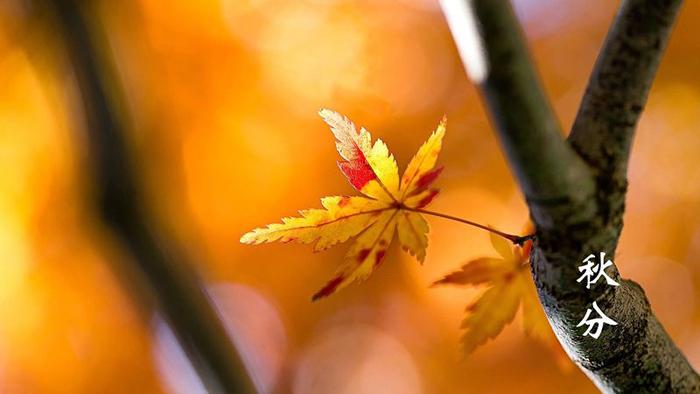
{"x":575,"y":188}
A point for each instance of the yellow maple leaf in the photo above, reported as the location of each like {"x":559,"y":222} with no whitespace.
{"x":389,"y":206}
{"x":510,"y":286}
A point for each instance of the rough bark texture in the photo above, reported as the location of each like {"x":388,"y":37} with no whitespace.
{"x":576,"y":189}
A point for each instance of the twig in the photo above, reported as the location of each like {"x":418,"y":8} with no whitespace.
{"x":516,"y":239}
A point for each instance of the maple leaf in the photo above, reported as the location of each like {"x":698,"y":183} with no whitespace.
{"x":389,"y":206}
{"x":510,"y":285}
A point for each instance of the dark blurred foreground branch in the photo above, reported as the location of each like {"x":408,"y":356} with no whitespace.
{"x":178,"y":291}
{"x":576,"y":189}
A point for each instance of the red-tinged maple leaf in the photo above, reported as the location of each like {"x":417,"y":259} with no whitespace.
{"x":390,"y":206}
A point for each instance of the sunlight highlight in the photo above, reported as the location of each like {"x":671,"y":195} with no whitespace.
{"x":460,"y":18}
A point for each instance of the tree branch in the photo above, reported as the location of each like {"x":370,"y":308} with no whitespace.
{"x":550,"y":174}
{"x":576,"y":191}
{"x":617,"y":91}
{"x":179,"y":292}
{"x":619,"y":85}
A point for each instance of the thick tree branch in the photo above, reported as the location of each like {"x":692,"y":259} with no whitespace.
{"x":618,"y":87}
{"x":550,"y":174}
{"x":176,"y":287}
{"x":577,"y":200}
{"x":617,"y":91}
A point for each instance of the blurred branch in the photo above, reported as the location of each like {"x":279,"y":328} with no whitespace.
{"x":575,"y":212}
{"x":178,"y":290}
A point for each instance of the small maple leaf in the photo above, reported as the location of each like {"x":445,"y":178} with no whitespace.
{"x":510,"y":285}
{"x":388,"y":206}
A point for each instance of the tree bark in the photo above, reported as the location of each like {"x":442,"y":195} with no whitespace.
{"x":576,"y":188}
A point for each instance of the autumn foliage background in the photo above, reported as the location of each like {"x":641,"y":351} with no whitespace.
{"x":223,"y":97}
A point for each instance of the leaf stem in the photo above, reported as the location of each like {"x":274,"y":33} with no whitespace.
{"x":515,"y":239}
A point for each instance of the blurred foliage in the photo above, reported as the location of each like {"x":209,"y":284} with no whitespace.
{"x":224,"y":96}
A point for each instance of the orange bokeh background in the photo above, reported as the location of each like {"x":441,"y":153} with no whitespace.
{"x":223,"y":96}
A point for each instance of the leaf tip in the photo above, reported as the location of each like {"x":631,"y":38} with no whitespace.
{"x":329,"y":288}
{"x":247,"y":238}
{"x":445,"y":280}
{"x":435,"y":284}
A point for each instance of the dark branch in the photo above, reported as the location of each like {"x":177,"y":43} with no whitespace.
{"x":618,"y":87}
{"x":178,"y":290}
{"x":551,"y":175}
{"x":576,"y":196}
{"x":617,"y":91}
